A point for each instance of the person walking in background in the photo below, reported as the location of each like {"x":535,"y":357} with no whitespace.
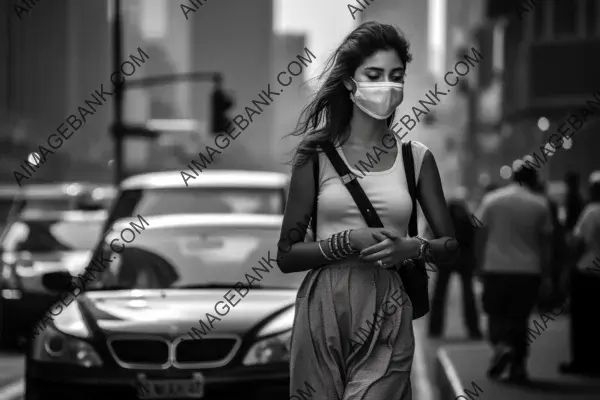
{"x":559,"y":255}
{"x":513,"y":248}
{"x":574,"y":202}
{"x":464,"y":265}
{"x":585,"y":288}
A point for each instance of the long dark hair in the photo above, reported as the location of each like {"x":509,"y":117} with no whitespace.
{"x":328,"y":115}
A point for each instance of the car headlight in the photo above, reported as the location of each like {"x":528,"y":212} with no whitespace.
{"x":270,"y":350}
{"x":59,"y":341}
{"x":274,"y":340}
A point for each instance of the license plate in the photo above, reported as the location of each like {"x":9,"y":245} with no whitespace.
{"x":171,"y":388}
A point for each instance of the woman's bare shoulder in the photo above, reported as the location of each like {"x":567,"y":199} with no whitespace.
{"x":418,"y":147}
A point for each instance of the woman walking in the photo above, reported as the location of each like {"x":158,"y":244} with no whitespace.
{"x":353,"y":336}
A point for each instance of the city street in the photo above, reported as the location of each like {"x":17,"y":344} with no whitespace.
{"x":424,"y":385}
{"x":470,"y":359}
{"x":423,"y":380}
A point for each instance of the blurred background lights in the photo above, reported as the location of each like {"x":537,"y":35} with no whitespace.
{"x":517,"y":164}
{"x":567,"y":143}
{"x":73,"y":189}
{"x":34,"y":158}
{"x":550,"y":149}
{"x":529,"y":158}
{"x":543,"y":124}
{"x":506,"y":172}
{"x":484,"y":179}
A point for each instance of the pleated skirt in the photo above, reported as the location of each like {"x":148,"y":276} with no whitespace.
{"x":353,"y":336}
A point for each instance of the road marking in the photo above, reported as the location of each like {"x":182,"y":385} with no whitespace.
{"x":423,"y":384}
{"x":13,"y":391}
{"x":450,"y":371}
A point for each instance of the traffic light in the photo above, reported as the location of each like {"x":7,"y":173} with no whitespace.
{"x":220,"y":103}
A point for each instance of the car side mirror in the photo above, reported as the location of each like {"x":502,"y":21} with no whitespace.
{"x":57,"y":281}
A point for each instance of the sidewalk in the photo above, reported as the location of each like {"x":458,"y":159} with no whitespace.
{"x":457,"y":366}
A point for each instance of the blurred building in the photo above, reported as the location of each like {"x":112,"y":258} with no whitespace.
{"x":51,"y":59}
{"x":235,"y":38}
{"x":287,"y":109}
{"x":550,"y":71}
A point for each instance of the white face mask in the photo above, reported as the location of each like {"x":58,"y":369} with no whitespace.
{"x":378,"y":99}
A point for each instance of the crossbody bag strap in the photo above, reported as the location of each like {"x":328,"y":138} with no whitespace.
{"x":313,"y":218}
{"x":409,"y":169}
{"x":356,"y":191}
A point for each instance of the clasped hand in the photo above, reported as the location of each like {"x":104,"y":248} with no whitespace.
{"x":385,"y":245}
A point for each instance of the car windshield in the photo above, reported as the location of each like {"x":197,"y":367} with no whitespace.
{"x":40,"y":236}
{"x":197,"y":200}
{"x":190,"y":257}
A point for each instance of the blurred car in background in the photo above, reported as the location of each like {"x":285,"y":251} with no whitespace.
{"x":131,"y":331}
{"x":38,"y":242}
{"x":53,"y":197}
{"x":214,"y":191}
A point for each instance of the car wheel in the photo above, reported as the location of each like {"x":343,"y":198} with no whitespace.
{"x":8,"y":335}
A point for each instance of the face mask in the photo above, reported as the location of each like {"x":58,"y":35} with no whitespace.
{"x":378,"y":99}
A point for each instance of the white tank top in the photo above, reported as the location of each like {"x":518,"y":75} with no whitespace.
{"x":387,"y":191}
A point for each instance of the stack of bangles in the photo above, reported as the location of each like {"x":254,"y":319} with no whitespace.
{"x":339,"y":246}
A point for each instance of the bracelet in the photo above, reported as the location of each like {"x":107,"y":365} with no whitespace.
{"x":347,"y":246}
{"x":341,"y":245}
{"x":424,"y":248}
{"x":322,"y":252}
{"x":350,"y":247}
{"x":333,"y":254}
{"x":425,"y":251}
{"x":336,"y":249}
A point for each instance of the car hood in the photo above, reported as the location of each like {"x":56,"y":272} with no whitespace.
{"x":173,"y":312}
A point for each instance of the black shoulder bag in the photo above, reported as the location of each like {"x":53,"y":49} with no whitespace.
{"x":414,"y":275}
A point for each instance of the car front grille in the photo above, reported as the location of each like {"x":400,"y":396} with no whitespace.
{"x":181,"y":353}
{"x":206,"y":350}
{"x":140,"y":353}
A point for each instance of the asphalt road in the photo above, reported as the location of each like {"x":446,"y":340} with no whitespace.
{"x":12,"y":368}
{"x":455,"y":332}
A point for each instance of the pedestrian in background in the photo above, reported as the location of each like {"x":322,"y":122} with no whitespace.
{"x":559,"y":256}
{"x":574,"y":202}
{"x":585,"y":288}
{"x":464,"y":266}
{"x":513,"y":247}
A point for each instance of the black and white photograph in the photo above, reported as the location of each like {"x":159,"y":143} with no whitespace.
{"x":300,"y":200}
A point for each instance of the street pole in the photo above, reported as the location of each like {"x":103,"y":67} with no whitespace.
{"x":119,"y":89}
{"x":118,"y":129}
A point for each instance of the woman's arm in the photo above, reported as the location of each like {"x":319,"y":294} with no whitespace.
{"x":433,"y":202}
{"x":293,"y":254}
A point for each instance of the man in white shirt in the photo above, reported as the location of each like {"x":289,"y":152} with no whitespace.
{"x":585,"y":288}
{"x":513,"y":252}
